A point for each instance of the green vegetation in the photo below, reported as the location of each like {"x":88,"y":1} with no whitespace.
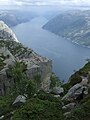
{"x":22,"y":85}
{"x":6,"y":104}
{"x":55,"y":81}
{"x":82,"y":112}
{"x":42,"y":106}
{"x":16,"y":73}
{"x":36,"y":109}
{"x":17,"y":49}
{"x":76,"y":77}
{"x":2,"y":58}
{"x":1,"y":64}
{"x":39,"y":104}
{"x":31,"y":88}
{"x":48,"y":97}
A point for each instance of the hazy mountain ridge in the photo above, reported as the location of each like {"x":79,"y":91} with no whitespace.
{"x":72,"y":25}
{"x":13,"y":18}
{"x":9,"y":18}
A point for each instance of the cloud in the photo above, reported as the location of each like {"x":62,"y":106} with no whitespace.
{"x":44,"y":2}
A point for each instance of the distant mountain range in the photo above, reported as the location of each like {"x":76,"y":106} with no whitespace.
{"x":12,"y":18}
{"x":72,"y":25}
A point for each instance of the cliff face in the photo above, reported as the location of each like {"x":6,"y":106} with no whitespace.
{"x":12,"y":51}
{"x":6,"y":32}
{"x":74,"y":25}
{"x":9,"y":18}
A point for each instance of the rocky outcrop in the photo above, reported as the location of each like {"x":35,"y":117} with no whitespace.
{"x":58,"y":90}
{"x":42,"y":67}
{"x":6,"y":33}
{"x":6,"y":56}
{"x":69,"y":106}
{"x":36,"y":65}
{"x":46,"y":68}
{"x":74,"y":96}
{"x":11,"y":51}
{"x":19,"y":100}
{"x":77,"y":89}
{"x":6,"y":59}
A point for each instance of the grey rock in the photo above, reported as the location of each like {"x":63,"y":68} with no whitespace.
{"x":69,"y":106}
{"x":66,"y":114}
{"x":56,"y":96}
{"x":36,"y":64}
{"x":75,"y":91}
{"x":19,"y":99}
{"x":6,"y":32}
{"x":8,"y":60}
{"x":84,"y":81}
{"x":57,"y":90}
{"x":1,"y":117}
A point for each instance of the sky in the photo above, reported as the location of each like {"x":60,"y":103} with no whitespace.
{"x":44,"y":2}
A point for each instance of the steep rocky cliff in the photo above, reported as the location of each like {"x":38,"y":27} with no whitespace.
{"x":6,"y":32}
{"x":25,"y":79}
{"x":11,"y":51}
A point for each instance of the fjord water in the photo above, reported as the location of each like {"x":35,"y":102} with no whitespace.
{"x":66,"y":56}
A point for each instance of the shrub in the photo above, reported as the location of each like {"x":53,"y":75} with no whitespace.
{"x":36,"y":109}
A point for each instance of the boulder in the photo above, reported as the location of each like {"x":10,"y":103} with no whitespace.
{"x":84,"y":81}
{"x":56,"y":96}
{"x":1,"y":117}
{"x":8,"y":59}
{"x":66,"y":114}
{"x":69,"y":106}
{"x":19,"y":100}
{"x":75,"y":91}
{"x":57,"y":90}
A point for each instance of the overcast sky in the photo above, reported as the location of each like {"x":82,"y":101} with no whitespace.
{"x":44,"y":2}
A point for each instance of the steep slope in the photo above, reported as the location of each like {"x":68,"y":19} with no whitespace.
{"x":11,"y":52}
{"x":6,"y":32}
{"x":46,"y":106}
{"x":72,"y":25}
{"x":15,"y":17}
{"x":9,"y":18}
{"x":22,"y":70}
{"x":77,"y":95}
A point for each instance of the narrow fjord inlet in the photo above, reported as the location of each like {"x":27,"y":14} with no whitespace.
{"x":66,"y":56}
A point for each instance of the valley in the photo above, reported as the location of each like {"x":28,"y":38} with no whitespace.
{"x":73,"y":25}
{"x":43,"y":76}
{"x":65,"y":55}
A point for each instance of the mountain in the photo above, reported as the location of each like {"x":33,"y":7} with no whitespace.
{"x":11,"y":51}
{"x":74,"y":26}
{"x":6,"y":32}
{"x":29,"y":90}
{"x":13,"y":18}
{"x":9,"y":18}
